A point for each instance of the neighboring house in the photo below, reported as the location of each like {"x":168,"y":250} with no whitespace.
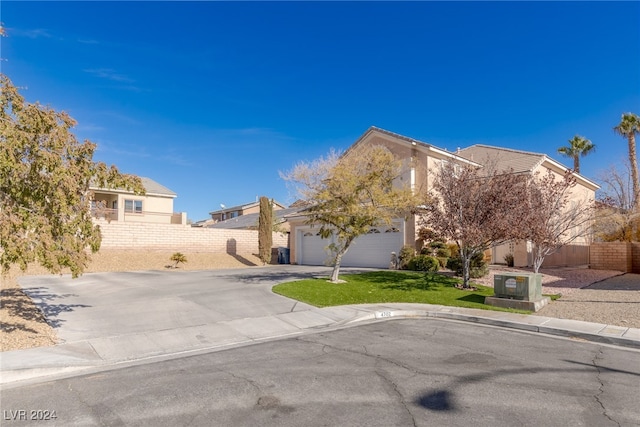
{"x":577,"y":253}
{"x":226,"y":213}
{"x":156,"y":205}
{"x":250,"y":221}
{"x":419,"y":160}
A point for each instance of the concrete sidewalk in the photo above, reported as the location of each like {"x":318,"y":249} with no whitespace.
{"x":90,"y":355}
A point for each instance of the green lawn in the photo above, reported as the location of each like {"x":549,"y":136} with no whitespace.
{"x":387,"y":286}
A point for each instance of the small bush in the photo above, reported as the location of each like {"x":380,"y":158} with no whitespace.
{"x":508,"y":258}
{"x":437,"y":245}
{"x":443,"y":252}
{"x":453,"y":248}
{"x":406,"y":254}
{"x":442,"y":261}
{"x":177,"y":258}
{"x":478,"y":266}
{"x":424,"y":263}
{"x":425,"y":251}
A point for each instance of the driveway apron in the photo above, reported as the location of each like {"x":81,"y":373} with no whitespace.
{"x":134,"y":314}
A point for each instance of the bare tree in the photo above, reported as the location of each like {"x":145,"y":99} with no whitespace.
{"x":616,"y":217}
{"x":350,"y":194}
{"x":629,"y":127}
{"x":552,"y":216}
{"x":476,"y":207}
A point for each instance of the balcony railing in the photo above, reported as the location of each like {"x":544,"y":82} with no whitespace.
{"x":144,"y":216}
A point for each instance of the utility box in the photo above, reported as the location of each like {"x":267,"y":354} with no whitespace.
{"x":518,"y":286}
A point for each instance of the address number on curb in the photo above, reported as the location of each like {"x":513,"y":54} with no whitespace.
{"x":384,"y":314}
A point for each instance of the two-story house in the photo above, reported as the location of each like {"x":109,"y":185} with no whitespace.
{"x":156,"y":205}
{"x":420,"y":160}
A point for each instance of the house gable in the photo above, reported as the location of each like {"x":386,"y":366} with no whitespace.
{"x":520,"y":161}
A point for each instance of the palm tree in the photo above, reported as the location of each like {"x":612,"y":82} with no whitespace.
{"x":579,"y":146}
{"x":628,"y":127}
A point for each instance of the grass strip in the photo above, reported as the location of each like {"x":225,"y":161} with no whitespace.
{"x":387,"y":287}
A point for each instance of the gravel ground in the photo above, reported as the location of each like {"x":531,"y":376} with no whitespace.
{"x":584,"y":295}
{"x":23,"y":326}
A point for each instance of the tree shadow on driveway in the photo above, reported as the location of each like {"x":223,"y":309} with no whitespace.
{"x":45,"y":301}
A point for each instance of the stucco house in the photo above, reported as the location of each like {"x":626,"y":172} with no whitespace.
{"x":155,"y":206}
{"x":226,"y":213}
{"x":250,"y":221}
{"x":577,"y":253}
{"x":419,"y":160}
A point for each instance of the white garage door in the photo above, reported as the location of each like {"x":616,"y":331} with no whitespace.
{"x":312,"y":248}
{"x":370,"y":250}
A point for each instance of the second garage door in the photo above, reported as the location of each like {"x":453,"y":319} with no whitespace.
{"x":369,"y":250}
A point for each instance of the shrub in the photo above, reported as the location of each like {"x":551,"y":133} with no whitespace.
{"x":406,"y":253}
{"x":443,"y":252}
{"x":442,"y":261}
{"x":178,"y":257}
{"x":424,"y":263}
{"x":437,"y":245}
{"x":508,"y":258}
{"x":478,"y":266}
{"x":453,"y":248}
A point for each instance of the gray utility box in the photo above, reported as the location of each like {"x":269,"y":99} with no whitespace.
{"x":519,"y":286}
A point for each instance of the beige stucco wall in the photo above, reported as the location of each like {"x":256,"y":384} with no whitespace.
{"x":582,"y":194}
{"x":178,"y":237}
{"x":155,"y":208}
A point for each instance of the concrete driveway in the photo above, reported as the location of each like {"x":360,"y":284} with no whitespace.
{"x":136,"y":314}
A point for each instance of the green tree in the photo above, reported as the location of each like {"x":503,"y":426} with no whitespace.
{"x":45,"y":198}
{"x":628,"y":127}
{"x":578,"y":147}
{"x":265,"y":230}
{"x":350,"y":194}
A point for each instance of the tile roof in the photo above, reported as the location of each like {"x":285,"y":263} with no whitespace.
{"x":242,"y":207}
{"x":505,"y":158}
{"x":250,"y":221}
{"x":152,"y":187}
{"x":420,"y":144}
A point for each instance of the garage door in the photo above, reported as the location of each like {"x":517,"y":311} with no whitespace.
{"x":312,"y":248}
{"x":370,"y":250}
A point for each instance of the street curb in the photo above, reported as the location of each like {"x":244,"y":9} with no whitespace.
{"x":541,"y":328}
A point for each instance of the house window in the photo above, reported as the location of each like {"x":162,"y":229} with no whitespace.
{"x":133,"y":206}
{"x":234,"y":214}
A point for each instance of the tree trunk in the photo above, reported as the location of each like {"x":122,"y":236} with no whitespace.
{"x":576,"y":164}
{"x":336,"y":268}
{"x":538,"y":259}
{"x":338,"y":260}
{"x":466,"y":267}
{"x":634,"y":171}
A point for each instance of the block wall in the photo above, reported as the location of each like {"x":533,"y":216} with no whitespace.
{"x":178,"y":237}
{"x":611,"y":256}
{"x":635,"y":256}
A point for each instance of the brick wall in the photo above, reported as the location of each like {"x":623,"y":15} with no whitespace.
{"x":177,"y":237}
{"x":635,"y":257}
{"x":612,"y":256}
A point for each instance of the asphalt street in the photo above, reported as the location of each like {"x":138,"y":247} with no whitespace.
{"x":427,"y":372}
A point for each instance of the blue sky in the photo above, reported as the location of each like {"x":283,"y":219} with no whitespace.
{"x":212,"y":99}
